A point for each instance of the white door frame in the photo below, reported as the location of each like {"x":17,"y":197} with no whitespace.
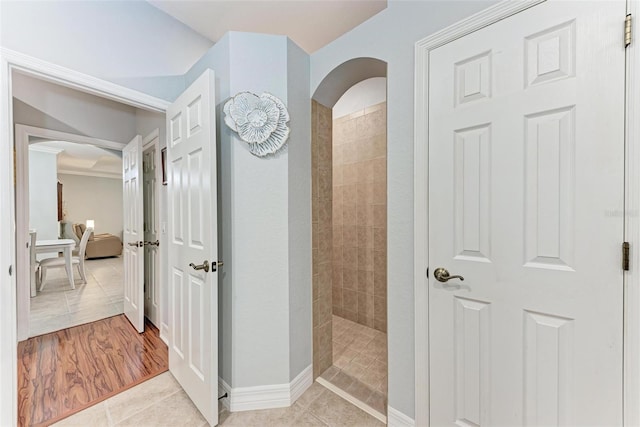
{"x":22,"y":135}
{"x":504,"y":9}
{"x":10,"y":61}
{"x":149,"y":141}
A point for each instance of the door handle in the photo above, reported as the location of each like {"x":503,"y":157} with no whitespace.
{"x":136,"y":244}
{"x":442,"y":275}
{"x":156,"y":243}
{"x":204,"y":266}
{"x":215,"y":265}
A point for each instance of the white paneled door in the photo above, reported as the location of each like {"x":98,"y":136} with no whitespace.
{"x":133,"y":233}
{"x":526,"y":164}
{"x":193,"y":277}
{"x":151,"y":237}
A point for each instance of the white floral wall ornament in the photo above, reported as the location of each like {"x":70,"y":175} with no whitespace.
{"x":260,"y":121}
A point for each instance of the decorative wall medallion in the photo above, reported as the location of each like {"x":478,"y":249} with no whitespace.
{"x":260,"y":121}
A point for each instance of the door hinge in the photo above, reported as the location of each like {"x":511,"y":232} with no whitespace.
{"x":627,"y":31}
{"x":625,"y":256}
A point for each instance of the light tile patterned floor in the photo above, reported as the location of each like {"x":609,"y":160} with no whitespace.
{"x":59,"y":307}
{"x":359,"y":362}
{"x":161,"y":402}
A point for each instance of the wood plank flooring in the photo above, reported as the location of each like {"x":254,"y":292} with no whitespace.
{"x":66,"y":371}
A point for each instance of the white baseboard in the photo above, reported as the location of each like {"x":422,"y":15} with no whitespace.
{"x":267,"y":396}
{"x":164,"y":333}
{"x":396,"y":418}
{"x":301,"y":383}
{"x":223,"y":388}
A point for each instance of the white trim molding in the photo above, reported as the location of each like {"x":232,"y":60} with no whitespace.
{"x":301,"y":383}
{"x":423,"y":48}
{"x":267,"y":396}
{"x":8,"y":310}
{"x":11,"y":61}
{"x":396,"y":418}
{"x":54,"y":73}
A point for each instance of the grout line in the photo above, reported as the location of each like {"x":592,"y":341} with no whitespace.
{"x":155,"y":402}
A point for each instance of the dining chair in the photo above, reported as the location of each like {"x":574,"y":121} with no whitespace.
{"x":58,"y":262}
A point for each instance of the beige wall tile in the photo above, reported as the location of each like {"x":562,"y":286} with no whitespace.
{"x":359,"y":160}
{"x":349,"y":315}
{"x":350,"y":256}
{"x":324,"y":278}
{"x":380,"y":282}
{"x":349,"y":193}
{"x":337,"y":256}
{"x":325,"y":306}
{"x":336,"y":295}
{"x":380,"y":257}
{"x":324,"y":183}
{"x":349,"y":299}
{"x":350,"y":214}
{"x":350,"y":174}
{"x":337,"y":235}
{"x":324,"y":246}
{"x":324,"y":150}
{"x":380,"y":238}
{"x":349,"y":279}
{"x":380,"y":216}
{"x":337,"y":276}
{"x":379,"y":146}
{"x":350,"y":153}
{"x":380,"y":170}
{"x":379,"y":194}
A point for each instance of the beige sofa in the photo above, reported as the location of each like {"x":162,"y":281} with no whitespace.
{"x":99,"y":245}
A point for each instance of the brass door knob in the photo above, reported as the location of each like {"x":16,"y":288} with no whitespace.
{"x":442,"y":275}
{"x":204,"y":266}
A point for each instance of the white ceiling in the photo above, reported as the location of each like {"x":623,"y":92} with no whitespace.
{"x":310,"y":23}
{"x":83,"y":159}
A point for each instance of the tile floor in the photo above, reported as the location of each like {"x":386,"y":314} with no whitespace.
{"x":359,"y":363}
{"x":59,"y":307}
{"x":161,"y":402}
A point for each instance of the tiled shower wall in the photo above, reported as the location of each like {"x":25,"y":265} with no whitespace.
{"x":321,"y":189}
{"x":359,"y":217}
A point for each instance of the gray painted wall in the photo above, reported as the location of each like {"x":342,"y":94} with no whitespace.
{"x":265,"y":217}
{"x":300,"y":271}
{"x":260,"y":226}
{"x":390,"y":36}
{"x":127,"y":42}
{"x":43,"y":195}
{"x":87,"y":114}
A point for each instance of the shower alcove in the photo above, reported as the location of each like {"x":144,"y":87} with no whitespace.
{"x":349,"y":192}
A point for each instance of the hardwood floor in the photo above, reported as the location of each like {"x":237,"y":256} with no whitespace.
{"x":66,"y":371}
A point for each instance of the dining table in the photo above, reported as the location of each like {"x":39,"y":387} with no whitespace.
{"x":65,"y":246}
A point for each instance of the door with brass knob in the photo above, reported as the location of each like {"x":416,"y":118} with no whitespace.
{"x":519,"y":188}
{"x":192,"y":238}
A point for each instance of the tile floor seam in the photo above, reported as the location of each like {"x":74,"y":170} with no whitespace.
{"x":155,"y":402}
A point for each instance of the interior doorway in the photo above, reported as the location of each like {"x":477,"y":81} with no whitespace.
{"x":350,"y":241}
{"x":90,"y":167}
